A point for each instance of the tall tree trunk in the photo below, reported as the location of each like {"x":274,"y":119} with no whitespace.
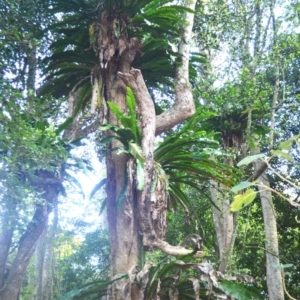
{"x":39,"y":263}
{"x":125,"y":239}
{"x":274,"y":277}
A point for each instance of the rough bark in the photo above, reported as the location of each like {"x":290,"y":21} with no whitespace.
{"x":130,"y":223}
{"x":135,"y":81}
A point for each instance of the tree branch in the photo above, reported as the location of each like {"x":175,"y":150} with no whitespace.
{"x":184,"y":106}
{"x":175,"y":250}
{"x":135,"y":81}
{"x":258,"y":172}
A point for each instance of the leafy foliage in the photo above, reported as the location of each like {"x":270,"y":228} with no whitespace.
{"x":80,"y":262}
{"x":181,"y":159}
{"x":152,"y":22}
{"x":28,"y":143}
{"x":239,"y":291}
{"x":129,"y":135}
{"x":174,"y":278}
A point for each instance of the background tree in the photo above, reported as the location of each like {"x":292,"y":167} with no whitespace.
{"x":32,"y":154}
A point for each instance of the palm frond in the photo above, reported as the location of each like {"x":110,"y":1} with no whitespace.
{"x":185,"y":158}
{"x":153,"y":22}
{"x":97,"y":187}
{"x":91,"y":290}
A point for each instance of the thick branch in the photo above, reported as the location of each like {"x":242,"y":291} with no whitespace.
{"x":135,"y":81}
{"x":184,"y":106}
{"x":175,"y":250}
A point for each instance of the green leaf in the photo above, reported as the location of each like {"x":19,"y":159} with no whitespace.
{"x":131,"y":104}
{"x":282,"y":154}
{"x":97,"y":187}
{"x":242,"y":185}
{"x":249,"y":159}
{"x":122,"y":134}
{"x":286,"y":145}
{"x":286,"y":266}
{"x":240,"y":291}
{"x":125,"y":120}
{"x":140,"y":175}
{"x":242,"y":200}
{"x":136,"y":151}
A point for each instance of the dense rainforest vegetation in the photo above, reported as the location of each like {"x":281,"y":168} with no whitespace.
{"x":149,"y":149}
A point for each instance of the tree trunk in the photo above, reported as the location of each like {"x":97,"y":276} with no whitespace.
{"x":8,"y":226}
{"x":223,"y":222}
{"x":44,"y":261}
{"x":13,"y":280}
{"x":125,"y":239}
{"x":39,"y":263}
{"x":274,"y":278}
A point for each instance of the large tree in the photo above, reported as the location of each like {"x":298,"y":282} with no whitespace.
{"x":119,"y":33}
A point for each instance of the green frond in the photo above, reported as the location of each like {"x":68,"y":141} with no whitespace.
{"x":136,"y":151}
{"x":154,"y":22}
{"x":131,"y":105}
{"x":129,"y":122}
{"x":185,"y":158}
{"x":176,"y":192}
{"x":96,"y":288}
{"x":240,"y":291}
{"x":97,"y":187}
{"x":124,"y":135}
